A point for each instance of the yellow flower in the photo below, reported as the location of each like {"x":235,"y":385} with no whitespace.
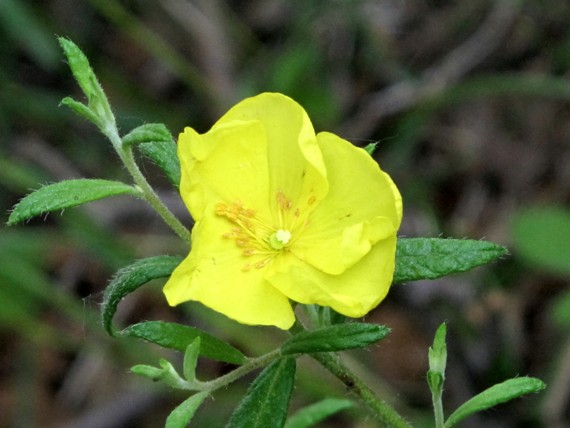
{"x":283,"y":215}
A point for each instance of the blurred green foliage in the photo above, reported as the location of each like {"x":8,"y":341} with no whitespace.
{"x":542,"y":237}
{"x":467,"y":153}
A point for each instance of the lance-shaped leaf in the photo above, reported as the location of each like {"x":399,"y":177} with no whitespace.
{"x":191,"y":360}
{"x":67,"y":194}
{"x":315,"y":413}
{"x":267,"y":399}
{"x":431,"y":258}
{"x":148,"y":133}
{"x":437,"y":357}
{"x":335,"y":338}
{"x":497,"y":394}
{"x":131,"y":277}
{"x":96,"y":100}
{"x":163,"y":154}
{"x":181,"y":416}
{"x":156,"y":143}
{"x":82,"y":110}
{"x":166,"y":374}
{"x":178,"y":337}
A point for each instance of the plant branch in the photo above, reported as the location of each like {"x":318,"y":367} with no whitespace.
{"x":382,"y":411}
{"x":147,"y":192}
{"x":234,"y":375}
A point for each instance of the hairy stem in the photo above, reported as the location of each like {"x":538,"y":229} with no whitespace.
{"x":234,"y":375}
{"x":381,"y":410}
{"x":147,"y":192}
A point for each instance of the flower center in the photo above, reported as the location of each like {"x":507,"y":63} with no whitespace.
{"x":256,"y":237}
{"x":279,"y":239}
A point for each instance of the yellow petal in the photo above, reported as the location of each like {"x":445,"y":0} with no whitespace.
{"x":214,"y":275}
{"x":353,"y":293}
{"x":296,"y":166}
{"x":362,"y":207}
{"x":228,"y":163}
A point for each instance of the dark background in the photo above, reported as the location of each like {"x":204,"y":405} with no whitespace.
{"x":469,"y":102}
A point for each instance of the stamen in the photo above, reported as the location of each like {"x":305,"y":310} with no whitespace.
{"x":256,"y":237}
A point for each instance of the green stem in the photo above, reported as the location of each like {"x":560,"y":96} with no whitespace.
{"x":147,"y":192}
{"x":438,"y":409}
{"x":234,"y":375}
{"x":381,"y":410}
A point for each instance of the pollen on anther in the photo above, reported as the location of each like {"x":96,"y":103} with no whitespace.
{"x":262,"y":263}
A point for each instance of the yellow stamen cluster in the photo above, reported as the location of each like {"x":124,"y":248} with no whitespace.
{"x":254,"y":236}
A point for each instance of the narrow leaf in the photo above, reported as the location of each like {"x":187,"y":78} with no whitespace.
{"x":437,"y":353}
{"x":181,"y":416}
{"x":315,"y":413}
{"x":67,"y":194}
{"x":148,"y":133}
{"x":267,"y":399}
{"x":166,"y":374}
{"x":156,"y":143}
{"x":178,"y":337}
{"x":131,"y":277}
{"x":431,"y":258}
{"x":151,"y":372}
{"x":82,"y":110}
{"x":497,"y":394}
{"x":191,"y":360}
{"x":335,"y":338}
{"x":79,"y":65}
{"x":163,"y":154}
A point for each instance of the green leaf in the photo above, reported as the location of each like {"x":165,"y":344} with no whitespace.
{"x":191,"y":360}
{"x":431,"y":258}
{"x":542,"y":236}
{"x":315,"y":413}
{"x":97,"y":101}
{"x":67,"y":194}
{"x":335,"y":338}
{"x":148,"y":133}
{"x":181,"y":416}
{"x":163,"y":154}
{"x":151,"y":372}
{"x":267,"y":399}
{"x":166,"y":374}
{"x":131,"y":277}
{"x":82,"y":110}
{"x":178,"y":337}
{"x":437,"y":353}
{"x":156,"y":143}
{"x":437,"y":356}
{"x":170,"y":375}
{"x":497,"y":394}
